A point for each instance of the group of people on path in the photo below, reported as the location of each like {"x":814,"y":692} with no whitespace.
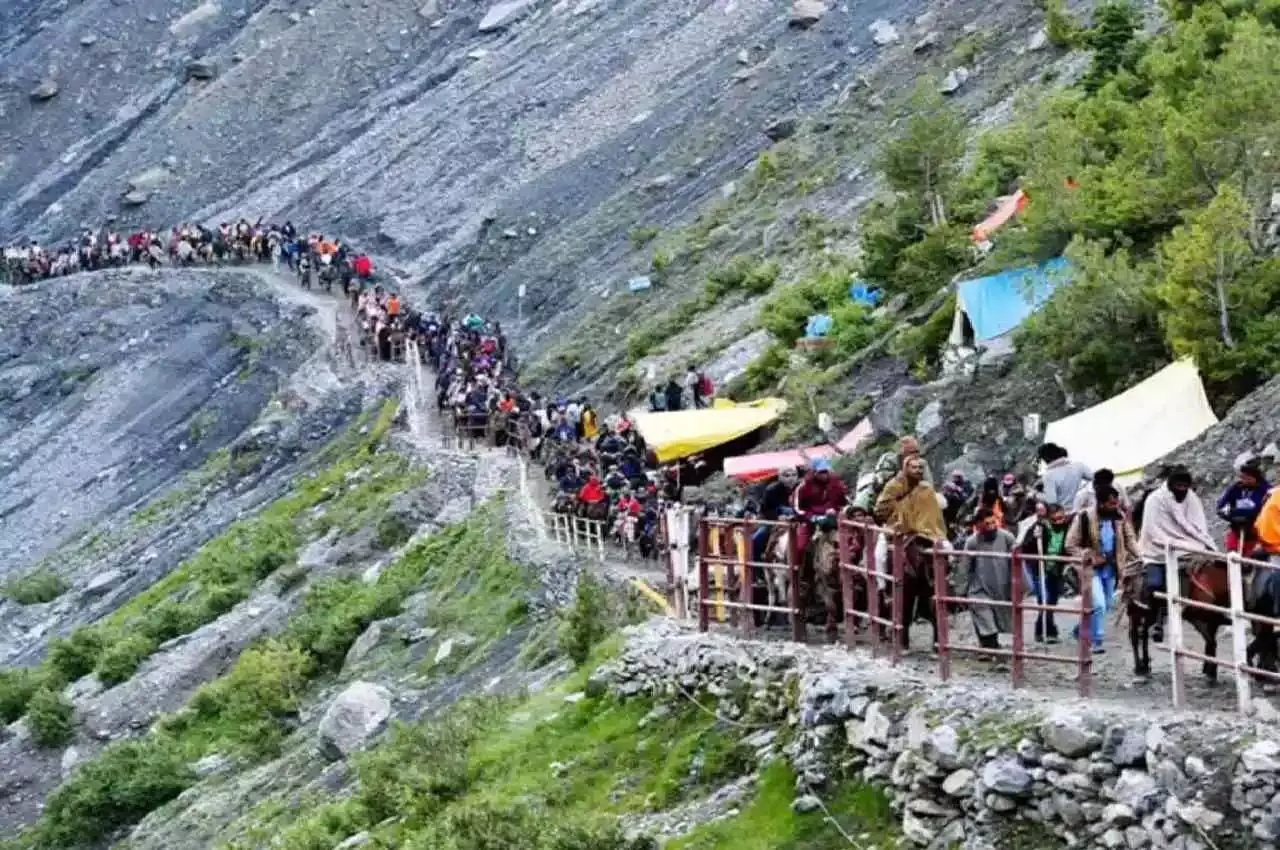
{"x":187,"y":244}
{"x":693,"y":391}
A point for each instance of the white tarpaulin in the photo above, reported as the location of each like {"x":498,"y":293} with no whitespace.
{"x":1139,"y":426}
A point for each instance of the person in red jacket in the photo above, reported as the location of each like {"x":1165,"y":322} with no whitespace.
{"x":592,"y":492}
{"x":820,"y":493}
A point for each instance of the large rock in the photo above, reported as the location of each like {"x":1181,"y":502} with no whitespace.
{"x":1136,"y":789}
{"x":884,"y":33}
{"x":781,"y":128}
{"x":359,"y":713}
{"x":47,"y":90}
{"x":1070,"y":734}
{"x":806,"y":13}
{"x":366,"y":643}
{"x":1006,"y":776}
{"x":505,"y":14}
{"x":150,"y":179}
{"x":104,"y":582}
{"x":954,"y":80}
{"x":201,"y":69}
{"x":1261,"y":757}
{"x":135,"y":198}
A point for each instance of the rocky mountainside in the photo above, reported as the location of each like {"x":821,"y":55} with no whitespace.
{"x":479,"y":145}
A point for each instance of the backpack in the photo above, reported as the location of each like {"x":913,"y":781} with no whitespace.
{"x":705,"y":387}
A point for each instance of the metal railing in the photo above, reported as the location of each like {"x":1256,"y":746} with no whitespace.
{"x":727,"y":572}
{"x":1235,"y":613}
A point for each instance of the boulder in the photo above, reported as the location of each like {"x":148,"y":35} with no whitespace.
{"x":1007,"y":776}
{"x":1261,"y":757}
{"x":884,"y":33}
{"x":1136,"y":789}
{"x":150,"y":179}
{"x":505,"y":14}
{"x":928,"y":40}
{"x":366,"y":643}
{"x":47,"y":90}
{"x":357,"y":715}
{"x":929,"y":419}
{"x":88,"y":40}
{"x":1039,"y":41}
{"x":105,"y":582}
{"x":70,"y":758}
{"x":781,"y":128}
{"x":952,"y":82}
{"x":1070,"y":734}
{"x":201,"y":69}
{"x":135,"y":198}
{"x":805,"y":804}
{"x":959,"y":783}
{"x":806,"y":13}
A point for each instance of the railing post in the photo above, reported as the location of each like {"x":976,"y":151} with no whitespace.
{"x":940,"y":610}
{"x":844,"y":563}
{"x":873,"y":588}
{"x":1239,"y":641}
{"x":1173,"y":592}
{"x":1084,"y":648}
{"x":704,"y":581}
{"x":900,"y":627}
{"x":746,"y":617}
{"x":795,"y":563}
{"x":1017,"y":585}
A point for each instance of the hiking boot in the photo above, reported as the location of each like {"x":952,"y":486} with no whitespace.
{"x":1157,"y":633}
{"x":1053,"y":640}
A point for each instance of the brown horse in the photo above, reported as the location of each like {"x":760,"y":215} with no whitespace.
{"x":1205,"y":580}
{"x":917,"y":588}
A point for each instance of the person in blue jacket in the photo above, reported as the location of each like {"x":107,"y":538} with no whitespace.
{"x":1240,"y":505}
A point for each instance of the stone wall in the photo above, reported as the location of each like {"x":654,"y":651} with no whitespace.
{"x":967,"y":765}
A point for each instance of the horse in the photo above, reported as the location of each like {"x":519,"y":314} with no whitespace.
{"x":774,"y":581}
{"x":1204,"y":579}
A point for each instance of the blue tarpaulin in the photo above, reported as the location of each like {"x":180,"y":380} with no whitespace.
{"x":819,"y":326}
{"x":861,"y":292}
{"x":997,"y":304}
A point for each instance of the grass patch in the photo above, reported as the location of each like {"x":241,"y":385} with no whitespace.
{"x":49,"y":716}
{"x":536,"y":774}
{"x":356,"y":486}
{"x":36,"y":588}
{"x":252,"y":709}
{"x":769,"y":824}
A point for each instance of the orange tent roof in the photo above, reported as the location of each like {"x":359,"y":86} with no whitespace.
{"x":1006,"y":208}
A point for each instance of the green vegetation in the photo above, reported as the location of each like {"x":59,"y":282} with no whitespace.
{"x":249,"y":711}
{"x":586,"y":624}
{"x":36,"y":588}
{"x":642,"y":236}
{"x":225,"y":571}
{"x":769,"y":824}
{"x":49,"y":716}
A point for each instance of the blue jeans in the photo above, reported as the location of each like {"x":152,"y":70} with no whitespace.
{"x":1047,"y":595}
{"x":759,"y":539}
{"x":1104,"y":594}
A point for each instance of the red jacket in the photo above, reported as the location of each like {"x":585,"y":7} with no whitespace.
{"x":813,"y":498}
{"x":592,"y":491}
{"x":363,"y":266}
{"x":630,"y":506}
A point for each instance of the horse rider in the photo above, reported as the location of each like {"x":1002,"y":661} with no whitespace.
{"x":1173,"y":516}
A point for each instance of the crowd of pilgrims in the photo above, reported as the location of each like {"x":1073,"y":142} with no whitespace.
{"x":599,"y":466}
{"x":186,"y":244}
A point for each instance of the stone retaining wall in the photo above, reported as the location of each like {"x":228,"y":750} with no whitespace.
{"x":971,"y":766}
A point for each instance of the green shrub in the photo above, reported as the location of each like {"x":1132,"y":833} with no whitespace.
{"x":243,"y":710}
{"x":16,"y":689}
{"x":36,"y":588}
{"x":334,"y":614}
{"x":75,"y":656}
{"x":742,"y":273}
{"x":587,"y":622}
{"x":122,"y":658}
{"x":50,"y":716}
{"x":641,"y":236}
{"x":128,"y":780}
{"x":392,"y":531}
{"x":170,"y":619}
{"x":1062,"y":30}
{"x":764,"y":373}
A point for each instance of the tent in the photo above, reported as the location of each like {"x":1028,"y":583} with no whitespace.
{"x":761,"y":467}
{"x":1139,"y":426}
{"x":997,"y":304}
{"x":861,"y":292}
{"x":1006,"y":208}
{"x":675,"y":435}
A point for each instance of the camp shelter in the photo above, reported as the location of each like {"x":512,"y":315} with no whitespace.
{"x":1139,"y":426}
{"x":750,"y":469}
{"x":681,"y":433}
{"x":1006,"y":208}
{"x":993,"y":306}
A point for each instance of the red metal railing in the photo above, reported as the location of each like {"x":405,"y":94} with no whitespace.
{"x":727,"y":544}
{"x":724,"y":545}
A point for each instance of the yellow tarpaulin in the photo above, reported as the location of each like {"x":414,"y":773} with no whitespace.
{"x":686,"y":432}
{"x":1139,"y":426}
